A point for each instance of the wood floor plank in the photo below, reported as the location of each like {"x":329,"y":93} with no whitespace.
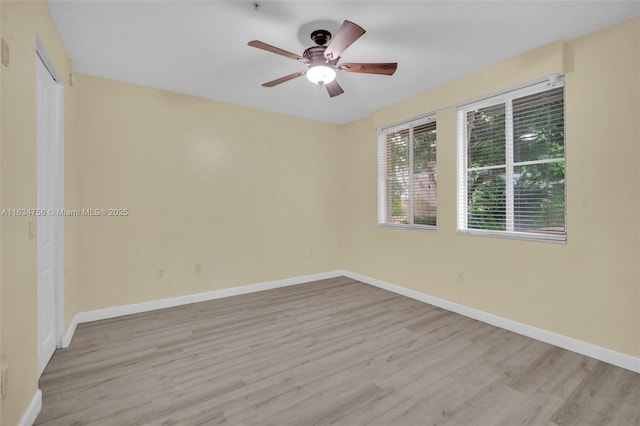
{"x":335,"y":351}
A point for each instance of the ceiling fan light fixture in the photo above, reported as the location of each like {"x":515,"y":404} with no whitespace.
{"x":321,"y":75}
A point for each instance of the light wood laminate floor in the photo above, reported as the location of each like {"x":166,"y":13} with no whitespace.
{"x":333,"y":351}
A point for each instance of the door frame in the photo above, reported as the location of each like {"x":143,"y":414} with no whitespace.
{"x":58,"y":141}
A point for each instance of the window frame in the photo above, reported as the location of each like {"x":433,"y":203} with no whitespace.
{"x":382,"y":173}
{"x":507,"y":99}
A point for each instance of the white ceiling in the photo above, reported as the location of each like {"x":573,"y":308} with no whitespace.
{"x":200,"y":47}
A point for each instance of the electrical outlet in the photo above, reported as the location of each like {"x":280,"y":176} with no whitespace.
{"x":198,"y":268}
{"x":460,"y":277}
{"x":161,"y":273}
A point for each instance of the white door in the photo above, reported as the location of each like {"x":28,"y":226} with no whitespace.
{"x":48,"y":173}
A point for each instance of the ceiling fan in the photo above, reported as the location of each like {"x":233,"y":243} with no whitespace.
{"x":322,"y":59}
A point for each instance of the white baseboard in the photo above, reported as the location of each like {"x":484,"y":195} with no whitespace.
{"x":594,"y":351}
{"x":66,"y":339}
{"x":30,"y":416}
{"x":117,"y":311}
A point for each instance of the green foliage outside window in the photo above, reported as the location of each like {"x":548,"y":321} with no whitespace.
{"x":423,"y":149}
{"x":538,"y":188}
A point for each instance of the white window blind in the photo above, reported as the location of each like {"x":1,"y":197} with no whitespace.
{"x":407,"y":174}
{"x":511,"y":164}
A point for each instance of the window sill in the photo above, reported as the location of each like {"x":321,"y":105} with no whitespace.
{"x":556,"y":239}
{"x":428,"y":228}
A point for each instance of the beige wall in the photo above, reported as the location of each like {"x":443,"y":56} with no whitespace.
{"x":252,"y":196}
{"x":588,"y":289}
{"x":21,"y":23}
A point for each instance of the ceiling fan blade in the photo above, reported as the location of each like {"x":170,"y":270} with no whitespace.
{"x":347,"y":34}
{"x":384,"y":68}
{"x":269,"y":48}
{"x":334,"y":89}
{"x":283,"y":79}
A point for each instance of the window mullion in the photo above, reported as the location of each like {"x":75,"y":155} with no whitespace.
{"x":534,"y":162}
{"x":410,"y":175}
{"x":383,"y":208}
{"x":509,"y":196}
{"x":463,"y":171}
{"x":475,"y":169}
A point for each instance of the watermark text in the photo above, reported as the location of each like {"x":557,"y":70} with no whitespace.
{"x":99,"y":212}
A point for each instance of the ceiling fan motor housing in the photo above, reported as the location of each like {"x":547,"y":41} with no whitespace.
{"x":315,"y":56}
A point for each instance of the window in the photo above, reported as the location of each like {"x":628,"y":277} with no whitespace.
{"x":511,"y":164}
{"x":407,"y":174}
